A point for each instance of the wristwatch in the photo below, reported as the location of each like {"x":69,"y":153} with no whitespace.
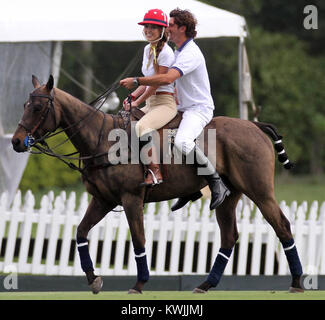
{"x":135,"y":82}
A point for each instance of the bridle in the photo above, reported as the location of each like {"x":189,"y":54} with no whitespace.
{"x":29,"y":141}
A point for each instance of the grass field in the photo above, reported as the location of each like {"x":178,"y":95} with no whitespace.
{"x":165,"y":295}
{"x":304,"y":188}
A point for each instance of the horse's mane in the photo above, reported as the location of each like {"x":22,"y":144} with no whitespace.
{"x":74,"y":99}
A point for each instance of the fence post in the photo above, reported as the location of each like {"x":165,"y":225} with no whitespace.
{"x":23,"y":265}
{"x":312,"y":234}
{"x":189,"y":242}
{"x":107,"y":245}
{"x":3,"y":218}
{"x":120,"y":245}
{"x":176,"y":241}
{"x":243,"y":241}
{"x":203,"y":240}
{"x":13,"y":228}
{"x":257,"y":243}
{"x":216,"y":245}
{"x":54,"y":236}
{"x":322,"y":246}
{"x":39,"y":240}
{"x":162,"y":239}
{"x":293,"y":211}
{"x":67,"y":234}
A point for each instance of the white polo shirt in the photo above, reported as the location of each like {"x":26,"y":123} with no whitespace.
{"x":193,"y":87}
{"x":165,"y":59}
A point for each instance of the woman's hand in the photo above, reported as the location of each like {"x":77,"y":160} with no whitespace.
{"x":126,"y":103}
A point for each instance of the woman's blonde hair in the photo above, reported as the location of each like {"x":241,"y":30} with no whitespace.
{"x":159,"y":47}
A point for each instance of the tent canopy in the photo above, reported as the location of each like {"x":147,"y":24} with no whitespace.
{"x":102,"y":20}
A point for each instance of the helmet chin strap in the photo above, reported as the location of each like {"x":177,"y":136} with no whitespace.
{"x":154,"y":41}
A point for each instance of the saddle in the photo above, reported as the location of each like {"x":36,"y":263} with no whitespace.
{"x":123,"y":121}
{"x":123,"y":118}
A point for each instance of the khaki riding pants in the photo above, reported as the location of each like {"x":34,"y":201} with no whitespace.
{"x":159,"y":110}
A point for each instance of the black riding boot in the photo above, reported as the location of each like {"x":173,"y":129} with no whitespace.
{"x":181,"y":202}
{"x":218,"y":189}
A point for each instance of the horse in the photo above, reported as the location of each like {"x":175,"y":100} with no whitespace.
{"x":245,"y":158}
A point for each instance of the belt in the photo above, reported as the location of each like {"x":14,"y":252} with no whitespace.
{"x":164,"y":92}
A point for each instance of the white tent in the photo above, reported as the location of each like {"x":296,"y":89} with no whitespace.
{"x":102,"y":20}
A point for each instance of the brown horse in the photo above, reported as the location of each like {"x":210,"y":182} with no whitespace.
{"x":244,"y":158}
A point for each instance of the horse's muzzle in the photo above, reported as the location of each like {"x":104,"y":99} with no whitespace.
{"x":18,"y":145}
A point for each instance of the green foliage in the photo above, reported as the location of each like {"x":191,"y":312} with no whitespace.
{"x":222,"y":63}
{"x":43,"y":171}
{"x":287,"y":84}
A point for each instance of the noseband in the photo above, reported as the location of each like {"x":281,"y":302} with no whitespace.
{"x":29,"y":141}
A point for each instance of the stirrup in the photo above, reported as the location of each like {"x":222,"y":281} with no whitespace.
{"x":154,"y":178}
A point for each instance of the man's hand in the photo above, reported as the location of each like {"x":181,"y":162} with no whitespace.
{"x":127,"y":83}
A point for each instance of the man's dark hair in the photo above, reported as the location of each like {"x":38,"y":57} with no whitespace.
{"x":185,"y":18}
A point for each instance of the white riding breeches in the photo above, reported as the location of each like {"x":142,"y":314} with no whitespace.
{"x":190,"y":128}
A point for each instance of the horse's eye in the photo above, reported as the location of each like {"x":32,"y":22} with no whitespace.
{"x":37,"y":108}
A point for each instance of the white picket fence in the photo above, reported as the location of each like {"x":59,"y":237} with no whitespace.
{"x":181,"y":242}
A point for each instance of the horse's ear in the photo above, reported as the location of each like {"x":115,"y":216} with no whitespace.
{"x":50,"y":83}
{"x":36,"y":82}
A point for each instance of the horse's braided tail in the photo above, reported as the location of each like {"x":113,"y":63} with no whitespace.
{"x":271,"y":131}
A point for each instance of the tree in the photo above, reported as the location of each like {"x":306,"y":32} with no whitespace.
{"x":287,"y":82}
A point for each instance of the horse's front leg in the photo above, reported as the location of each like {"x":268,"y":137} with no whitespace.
{"x":96,"y":211}
{"x":133,"y":206}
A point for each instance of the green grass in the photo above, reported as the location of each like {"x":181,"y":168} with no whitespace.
{"x":304,"y":188}
{"x":165,"y":295}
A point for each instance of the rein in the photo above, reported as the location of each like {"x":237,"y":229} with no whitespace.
{"x":30,"y":141}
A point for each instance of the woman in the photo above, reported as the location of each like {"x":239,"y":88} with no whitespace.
{"x":160,"y":105}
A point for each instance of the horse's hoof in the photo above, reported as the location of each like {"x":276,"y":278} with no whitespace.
{"x":198,"y":290}
{"x":296,"y":290}
{"x":134,"y":291}
{"x":96,"y":285}
{"x":203,"y":287}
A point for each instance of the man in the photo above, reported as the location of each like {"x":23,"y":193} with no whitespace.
{"x":194,"y":98}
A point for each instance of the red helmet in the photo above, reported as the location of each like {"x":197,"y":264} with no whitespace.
{"x":155,"y":16}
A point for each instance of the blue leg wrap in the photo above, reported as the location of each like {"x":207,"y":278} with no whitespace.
{"x":85,"y":260}
{"x":142,"y":266}
{"x":291,"y":253}
{"x":219,"y":266}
